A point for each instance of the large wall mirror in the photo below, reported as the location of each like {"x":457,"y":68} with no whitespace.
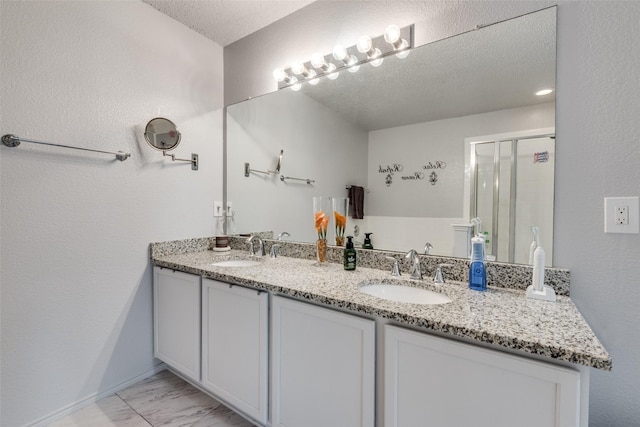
{"x":453,"y":130}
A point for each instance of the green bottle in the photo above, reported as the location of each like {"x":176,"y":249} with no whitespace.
{"x":349,"y":255}
{"x":367,"y":241}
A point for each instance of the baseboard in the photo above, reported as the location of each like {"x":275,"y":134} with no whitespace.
{"x":73,"y":407}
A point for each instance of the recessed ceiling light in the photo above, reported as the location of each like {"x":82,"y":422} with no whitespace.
{"x":544,"y":92}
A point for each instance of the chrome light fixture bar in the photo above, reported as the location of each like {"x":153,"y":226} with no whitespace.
{"x":395,"y":41}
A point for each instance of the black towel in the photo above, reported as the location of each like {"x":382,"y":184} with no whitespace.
{"x":356,"y":201}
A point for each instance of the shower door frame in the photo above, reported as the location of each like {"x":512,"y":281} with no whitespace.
{"x":496,"y":139}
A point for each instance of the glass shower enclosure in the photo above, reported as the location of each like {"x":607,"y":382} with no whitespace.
{"x":512,"y":190}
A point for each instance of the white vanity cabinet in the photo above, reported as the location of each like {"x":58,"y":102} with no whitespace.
{"x":235,"y":346}
{"x":176,"y":320}
{"x":322,"y":366}
{"x":432,"y":381}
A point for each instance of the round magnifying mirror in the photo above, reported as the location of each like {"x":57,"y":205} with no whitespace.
{"x":162,"y":134}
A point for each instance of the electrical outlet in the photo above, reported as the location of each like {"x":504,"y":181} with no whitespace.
{"x":217,"y":209}
{"x":621,"y":215}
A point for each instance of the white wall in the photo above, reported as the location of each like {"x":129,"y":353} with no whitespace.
{"x":598,"y":106}
{"x":317,"y":143}
{"x":76,"y":280}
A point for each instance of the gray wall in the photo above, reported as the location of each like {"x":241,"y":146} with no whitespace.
{"x":598,"y":133}
{"x":76,"y":226}
{"x":598,"y":155}
{"x":318,"y":144}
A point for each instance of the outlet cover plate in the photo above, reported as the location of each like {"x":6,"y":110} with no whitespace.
{"x":217,"y":209}
{"x":612,"y":206}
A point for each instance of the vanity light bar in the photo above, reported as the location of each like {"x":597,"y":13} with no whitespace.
{"x":395,"y":41}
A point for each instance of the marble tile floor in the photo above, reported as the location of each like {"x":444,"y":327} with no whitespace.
{"x":161,"y":400}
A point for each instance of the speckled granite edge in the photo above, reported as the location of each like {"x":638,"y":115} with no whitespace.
{"x":501,"y":275}
{"x":178,"y":247}
{"x":501,"y":317}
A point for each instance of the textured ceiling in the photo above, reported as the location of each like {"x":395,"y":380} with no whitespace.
{"x":226,"y":21}
{"x":495,"y":68}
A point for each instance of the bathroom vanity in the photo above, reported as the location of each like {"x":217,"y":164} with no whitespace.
{"x":288,"y":343}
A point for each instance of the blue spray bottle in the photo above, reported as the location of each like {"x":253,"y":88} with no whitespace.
{"x":477,"y":271}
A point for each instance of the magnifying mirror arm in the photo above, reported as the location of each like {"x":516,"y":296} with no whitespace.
{"x":193,"y":160}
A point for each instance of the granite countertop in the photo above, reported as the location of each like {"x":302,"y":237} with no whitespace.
{"x":502,"y":317}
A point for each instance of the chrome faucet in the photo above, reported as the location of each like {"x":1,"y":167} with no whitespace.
{"x":283,"y":234}
{"x":414,"y":259}
{"x":427,"y":247}
{"x":252,"y":251}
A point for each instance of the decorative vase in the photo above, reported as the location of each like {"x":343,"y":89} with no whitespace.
{"x":340,"y":207}
{"x":321,"y":251}
{"x":321,"y":218}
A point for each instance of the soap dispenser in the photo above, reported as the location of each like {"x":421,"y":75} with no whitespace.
{"x":350,"y":255}
{"x":477,"y":271}
{"x":367,"y":241}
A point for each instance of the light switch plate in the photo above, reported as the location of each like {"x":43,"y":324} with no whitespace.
{"x":621,"y":215}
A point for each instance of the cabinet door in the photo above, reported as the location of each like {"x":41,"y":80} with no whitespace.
{"x":176,"y":320}
{"x":322,"y":367}
{"x":235,"y":346}
{"x":432,"y":381}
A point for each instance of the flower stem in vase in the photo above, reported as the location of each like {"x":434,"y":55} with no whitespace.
{"x":321,"y":250}
{"x":321,"y":205}
{"x":340,"y":208}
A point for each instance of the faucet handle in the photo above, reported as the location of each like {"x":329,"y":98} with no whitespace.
{"x":395,"y":270}
{"x":274,"y":250}
{"x":438,"y":277}
{"x":427,"y":248}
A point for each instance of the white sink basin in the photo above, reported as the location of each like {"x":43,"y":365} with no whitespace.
{"x":236,"y":263}
{"x":401,"y":293}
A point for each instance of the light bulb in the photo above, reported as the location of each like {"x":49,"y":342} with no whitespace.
{"x":392,"y":34}
{"x":350,"y":61}
{"x":279,"y":74}
{"x":298,"y":68}
{"x":339,"y":52}
{"x":373,"y":61}
{"x":404,"y":49}
{"x":317,"y":60}
{"x":296,"y":86}
{"x":311,"y":76}
{"x":364,"y":44}
{"x":331,"y":73}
